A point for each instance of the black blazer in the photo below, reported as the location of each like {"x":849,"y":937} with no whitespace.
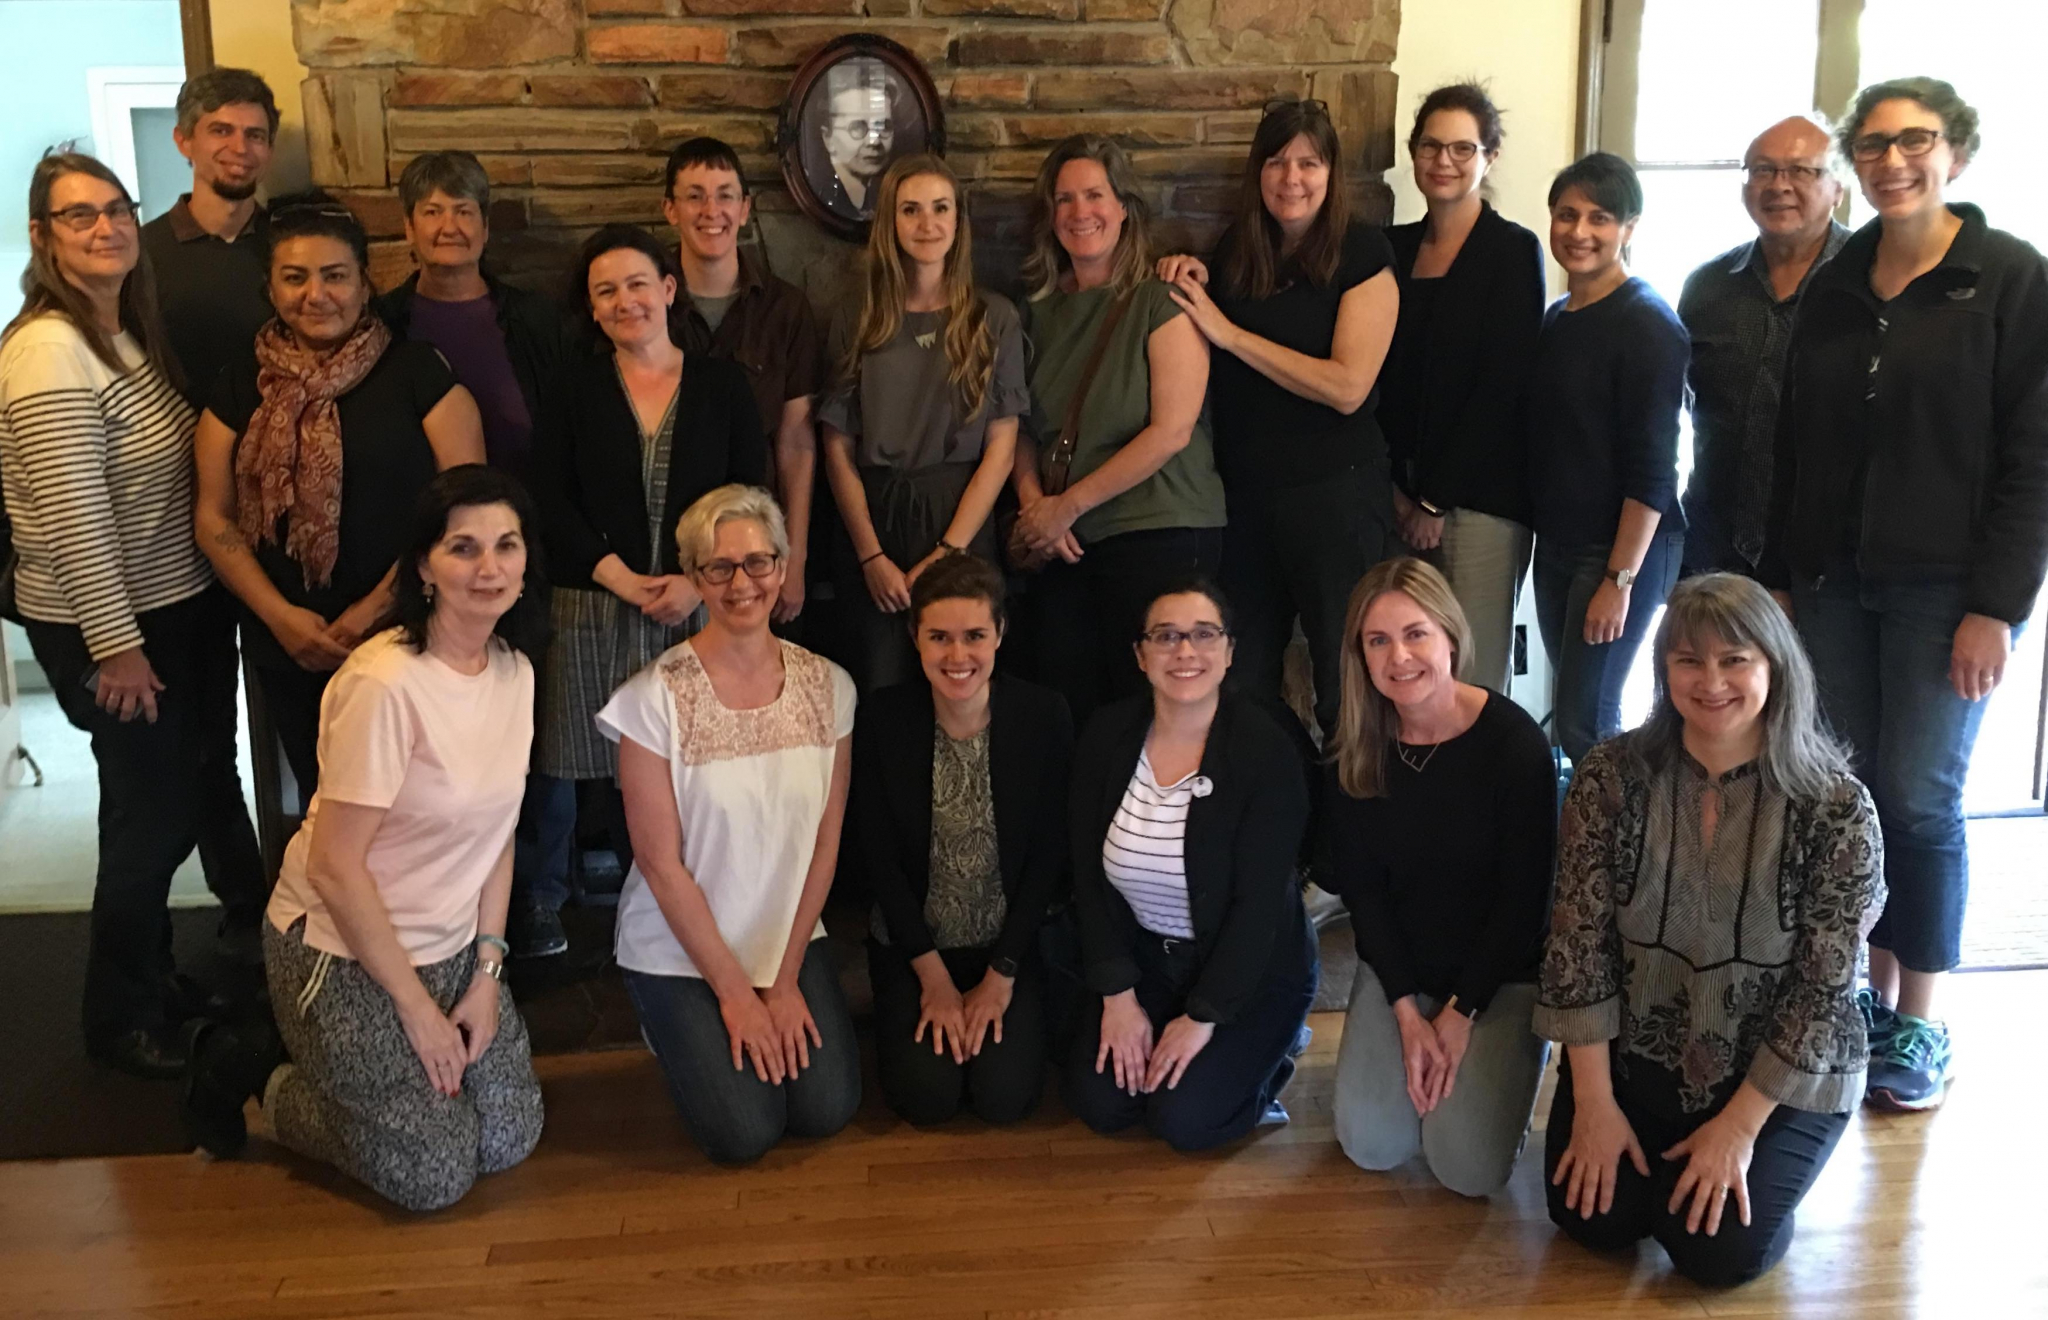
{"x":1030,"y":749}
{"x":1242,"y":843}
{"x":592,"y":501}
{"x":1461,"y":380}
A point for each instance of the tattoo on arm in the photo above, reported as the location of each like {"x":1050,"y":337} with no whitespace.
{"x":230,"y":538}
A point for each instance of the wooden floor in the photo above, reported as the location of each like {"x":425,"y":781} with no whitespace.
{"x":1924,"y":1216}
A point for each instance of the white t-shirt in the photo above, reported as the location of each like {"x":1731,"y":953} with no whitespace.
{"x":445,"y":755}
{"x":751,"y":788}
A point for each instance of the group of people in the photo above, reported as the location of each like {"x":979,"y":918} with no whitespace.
{"x":1068,"y":541}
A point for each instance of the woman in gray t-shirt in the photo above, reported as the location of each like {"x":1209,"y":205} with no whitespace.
{"x":921,"y":422}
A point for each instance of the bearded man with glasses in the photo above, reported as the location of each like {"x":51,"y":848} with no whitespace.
{"x":1738,"y":308}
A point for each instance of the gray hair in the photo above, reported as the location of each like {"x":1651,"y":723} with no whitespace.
{"x":224,"y":86}
{"x":1958,"y":117}
{"x":697,"y":529}
{"x":456,"y":173}
{"x":1800,"y":757}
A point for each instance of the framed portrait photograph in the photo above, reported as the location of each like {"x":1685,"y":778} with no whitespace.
{"x":856,"y":105}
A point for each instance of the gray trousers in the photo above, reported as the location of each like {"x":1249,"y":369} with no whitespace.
{"x":1472,"y":1139}
{"x":356,"y":1096}
{"x":1485,"y":559}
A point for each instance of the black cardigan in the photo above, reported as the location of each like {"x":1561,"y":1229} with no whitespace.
{"x":1242,"y":842}
{"x":1030,"y":748}
{"x":592,"y":501}
{"x":1459,"y":383}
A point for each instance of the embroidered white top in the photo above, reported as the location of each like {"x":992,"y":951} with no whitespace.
{"x":751,"y":788}
{"x":1143,"y":854}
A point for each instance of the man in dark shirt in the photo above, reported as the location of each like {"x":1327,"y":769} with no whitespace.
{"x":1738,"y":310}
{"x":208,"y":251}
{"x":738,"y":311}
{"x":504,"y":345}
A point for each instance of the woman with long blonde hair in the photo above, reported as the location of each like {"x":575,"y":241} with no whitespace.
{"x":1442,"y":812}
{"x":921,"y":426}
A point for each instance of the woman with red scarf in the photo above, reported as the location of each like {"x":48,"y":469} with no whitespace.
{"x":310,"y":459}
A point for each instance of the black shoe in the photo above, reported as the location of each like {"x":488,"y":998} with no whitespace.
{"x":229,"y":1068}
{"x":241,"y":941}
{"x":535,"y":931}
{"x":153,"y":1052}
{"x":185,"y":999}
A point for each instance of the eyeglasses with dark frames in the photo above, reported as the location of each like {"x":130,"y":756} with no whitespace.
{"x":1911,"y":142}
{"x":1430,"y":149}
{"x":1793,"y":174}
{"x":1203,"y":635}
{"x":81,"y":218}
{"x":718,"y":572}
{"x":1305,"y":104}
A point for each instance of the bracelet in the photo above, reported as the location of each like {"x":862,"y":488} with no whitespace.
{"x":496,"y":942}
{"x":945,"y":547}
{"x":871,"y":558}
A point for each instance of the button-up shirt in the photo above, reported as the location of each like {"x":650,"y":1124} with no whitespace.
{"x":1741,"y":333}
{"x":770,"y":331}
{"x":210,"y":291}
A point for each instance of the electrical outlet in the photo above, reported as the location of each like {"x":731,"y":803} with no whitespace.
{"x":1521,"y":648}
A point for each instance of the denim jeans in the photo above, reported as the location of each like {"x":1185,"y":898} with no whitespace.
{"x":543,"y":841}
{"x":1587,"y":709}
{"x":732,"y":1115}
{"x":1880,"y":653}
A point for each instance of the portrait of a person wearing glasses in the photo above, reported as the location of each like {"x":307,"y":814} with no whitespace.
{"x":853,"y":114}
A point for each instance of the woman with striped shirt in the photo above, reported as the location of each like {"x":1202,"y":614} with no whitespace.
{"x":1188,"y":810}
{"x":120,"y":606}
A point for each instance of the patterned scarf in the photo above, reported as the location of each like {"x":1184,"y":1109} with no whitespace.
{"x":289,"y":461}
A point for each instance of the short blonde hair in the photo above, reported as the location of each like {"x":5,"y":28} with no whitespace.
{"x":697,"y":529}
{"x":1366,"y":721}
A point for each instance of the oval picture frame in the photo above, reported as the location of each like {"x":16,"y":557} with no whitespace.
{"x":859,"y":102}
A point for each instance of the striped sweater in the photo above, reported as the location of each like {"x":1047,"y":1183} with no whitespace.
{"x":98,"y":474}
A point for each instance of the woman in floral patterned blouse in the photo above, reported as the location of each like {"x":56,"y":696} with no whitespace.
{"x":1718,"y":869}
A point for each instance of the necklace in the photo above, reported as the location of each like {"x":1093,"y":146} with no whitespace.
{"x":1418,"y":766}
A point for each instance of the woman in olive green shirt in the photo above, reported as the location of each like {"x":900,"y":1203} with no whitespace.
{"x":1141,"y":503}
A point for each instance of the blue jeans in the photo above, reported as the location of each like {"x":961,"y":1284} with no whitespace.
{"x":543,"y":840}
{"x":732,"y":1115}
{"x":1587,"y":709}
{"x":1880,"y":653}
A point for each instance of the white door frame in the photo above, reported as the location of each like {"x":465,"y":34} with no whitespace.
{"x":114,"y":92}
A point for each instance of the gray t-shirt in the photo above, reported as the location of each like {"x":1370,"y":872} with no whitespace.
{"x":713,"y":310}
{"x":903,"y":412}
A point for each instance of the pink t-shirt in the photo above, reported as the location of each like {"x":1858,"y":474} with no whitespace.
{"x":444,"y":754}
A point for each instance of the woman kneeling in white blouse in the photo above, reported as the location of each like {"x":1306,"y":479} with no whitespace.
{"x":733,"y":760}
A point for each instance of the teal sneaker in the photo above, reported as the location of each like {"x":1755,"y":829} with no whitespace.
{"x":1879,"y":1021}
{"x":1912,"y":1070}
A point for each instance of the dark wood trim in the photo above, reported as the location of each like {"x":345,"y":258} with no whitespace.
{"x":789,"y":134}
{"x":195,"y":18}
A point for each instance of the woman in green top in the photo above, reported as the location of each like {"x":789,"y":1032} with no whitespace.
{"x":1131,"y":499}
{"x":921,"y":424}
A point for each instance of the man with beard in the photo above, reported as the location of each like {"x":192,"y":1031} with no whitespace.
{"x":208,"y":251}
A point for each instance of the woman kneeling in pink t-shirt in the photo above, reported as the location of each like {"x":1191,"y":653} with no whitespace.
{"x":385,"y":945}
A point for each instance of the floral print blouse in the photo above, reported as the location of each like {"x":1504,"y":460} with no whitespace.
{"x":1711,"y":963}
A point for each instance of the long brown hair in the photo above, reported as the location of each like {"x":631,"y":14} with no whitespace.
{"x":970,"y":344}
{"x":1254,"y":264}
{"x":1047,"y":260}
{"x":45,"y":290}
{"x":1366,"y":720}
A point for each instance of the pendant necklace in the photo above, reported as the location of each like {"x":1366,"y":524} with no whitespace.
{"x":1418,"y":766}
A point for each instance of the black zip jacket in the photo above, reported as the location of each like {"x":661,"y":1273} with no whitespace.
{"x":1924,"y":419}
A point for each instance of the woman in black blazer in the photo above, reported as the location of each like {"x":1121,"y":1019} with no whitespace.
{"x":960,"y":790}
{"x":1471,"y":313}
{"x":635,"y":433}
{"x":1188,"y":809}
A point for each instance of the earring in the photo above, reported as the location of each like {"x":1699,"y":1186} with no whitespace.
{"x":428,"y":589}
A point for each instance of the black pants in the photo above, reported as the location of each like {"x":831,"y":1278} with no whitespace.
{"x":165,"y":789}
{"x":1789,"y":1155}
{"x":1246,"y":1063}
{"x":1001,"y":1084}
{"x":1085,"y":617}
{"x":1296,"y":554}
{"x":292,"y":699}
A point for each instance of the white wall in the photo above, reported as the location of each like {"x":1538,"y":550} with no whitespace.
{"x":1527,"y":52}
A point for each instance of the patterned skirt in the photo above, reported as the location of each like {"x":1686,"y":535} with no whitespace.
{"x":598,"y":644}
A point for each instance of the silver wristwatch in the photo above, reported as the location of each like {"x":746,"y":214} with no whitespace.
{"x":1623,"y":577}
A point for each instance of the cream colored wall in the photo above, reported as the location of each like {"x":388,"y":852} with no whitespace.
{"x":1527,"y":51}
{"x":257,"y":34}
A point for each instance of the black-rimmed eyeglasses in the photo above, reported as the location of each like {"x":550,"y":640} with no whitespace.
{"x":1798,"y":175}
{"x":81,"y":218}
{"x":1430,"y":149}
{"x":1203,"y":635}
{"x":1910,"y":142}
{"x":718,"y":572}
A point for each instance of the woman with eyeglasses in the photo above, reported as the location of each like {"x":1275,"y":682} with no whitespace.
{"x":1188,"y":808}
{"x":920,"y":427}
{"x":1602,"y":416}
{"x":1301,"y":301}
{"x":734,"y":758}
{"x":1909,"y":520}
{"x":637,"y":432}
{"x":311,"y":454}
{"x":1471,"y":313}
{"x":120,"y":607}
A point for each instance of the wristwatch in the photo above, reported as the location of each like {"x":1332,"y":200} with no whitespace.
{"x":1003,"y":967}
{"x":1623,"y":577}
